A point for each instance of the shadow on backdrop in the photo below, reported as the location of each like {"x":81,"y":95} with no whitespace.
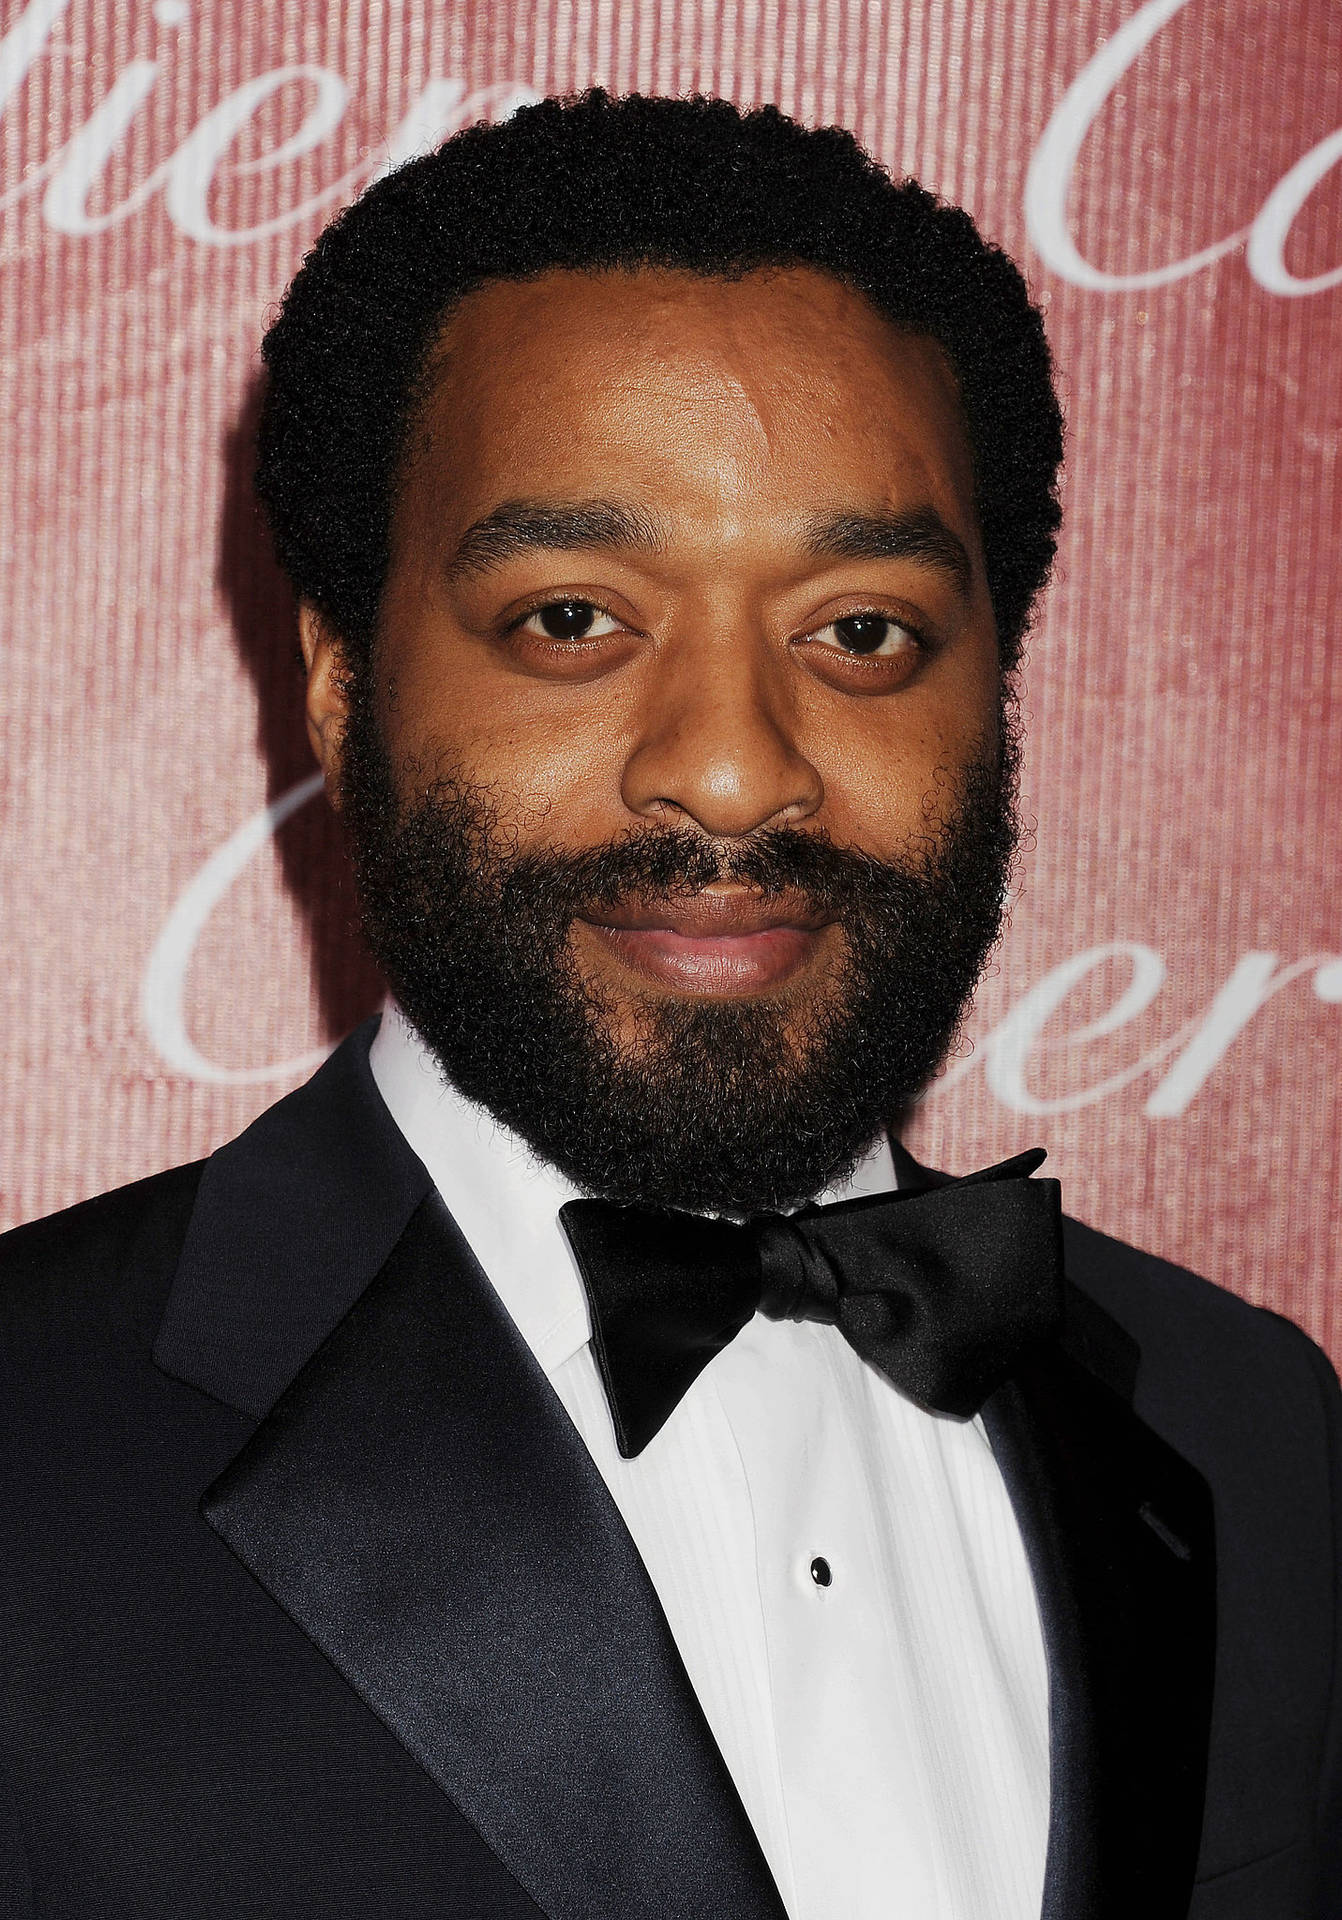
{"x":346,"y":985}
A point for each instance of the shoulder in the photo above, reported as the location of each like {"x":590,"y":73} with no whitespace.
{"x":1160,"y":1303}
{"x":1213,"y":1366}
{"x":1169,"y":1310}
{"x":107,"y":1260}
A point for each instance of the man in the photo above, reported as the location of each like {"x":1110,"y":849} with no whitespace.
{"x":567,"y":1459}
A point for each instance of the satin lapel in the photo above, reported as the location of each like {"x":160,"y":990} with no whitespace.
{"x":422,"y":1507}
{"x":1118,"y":1527}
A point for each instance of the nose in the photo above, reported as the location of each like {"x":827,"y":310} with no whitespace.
{"x":716,"y":746}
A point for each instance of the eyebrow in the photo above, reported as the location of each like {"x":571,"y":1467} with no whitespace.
{"x":919,"y":534}
{"x":524,"y":526}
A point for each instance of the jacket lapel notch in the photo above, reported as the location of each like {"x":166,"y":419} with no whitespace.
{"x":291,"y":1221}
{"x":419,"y":1503}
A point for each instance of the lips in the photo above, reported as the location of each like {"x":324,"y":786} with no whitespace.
{"x":721,"y":942}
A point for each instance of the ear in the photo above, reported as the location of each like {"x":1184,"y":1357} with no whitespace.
{"x":327,"y":705}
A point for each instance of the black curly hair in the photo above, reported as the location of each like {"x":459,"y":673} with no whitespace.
{"x":595,"y":182}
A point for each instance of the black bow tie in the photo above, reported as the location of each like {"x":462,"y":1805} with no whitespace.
{"x":945,"y":1290}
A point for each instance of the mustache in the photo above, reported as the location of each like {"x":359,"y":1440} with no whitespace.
{"x":659,"y":863}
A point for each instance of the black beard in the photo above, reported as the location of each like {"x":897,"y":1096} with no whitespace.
{"x":728,"y":1106}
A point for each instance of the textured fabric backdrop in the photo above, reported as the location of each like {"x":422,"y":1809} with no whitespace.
{"x":1166,"y":1011}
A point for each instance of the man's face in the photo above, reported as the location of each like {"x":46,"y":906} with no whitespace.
{"x":686,"y":579}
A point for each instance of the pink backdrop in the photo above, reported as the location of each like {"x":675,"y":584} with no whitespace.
{"x":1166,"y":1011}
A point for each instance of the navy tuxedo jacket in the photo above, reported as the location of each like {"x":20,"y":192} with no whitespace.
{"x":312,"y":1603}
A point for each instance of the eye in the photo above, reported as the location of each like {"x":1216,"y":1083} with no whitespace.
{"x":869,"y":635}
{"x":569,"y":620}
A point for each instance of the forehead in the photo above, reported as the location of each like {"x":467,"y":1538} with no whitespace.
{"x":782,"y":389}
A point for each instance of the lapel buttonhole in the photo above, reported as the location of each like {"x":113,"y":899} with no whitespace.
{"x":1180,"y":1548}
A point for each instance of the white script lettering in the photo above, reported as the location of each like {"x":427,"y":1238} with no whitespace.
{"x":1193,"y":1051}
{"x":163,"y":985}
{"x":188,"y":176}
{"x":1048,"y":182}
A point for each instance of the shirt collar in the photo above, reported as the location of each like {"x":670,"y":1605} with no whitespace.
{"x":506,"y":1199}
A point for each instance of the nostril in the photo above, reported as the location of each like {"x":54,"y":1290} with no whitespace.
{"x":730,"y":773}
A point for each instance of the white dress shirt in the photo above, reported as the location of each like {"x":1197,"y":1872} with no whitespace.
{"x":887,"y":1730}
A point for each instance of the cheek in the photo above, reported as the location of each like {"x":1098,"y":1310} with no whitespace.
{"x":877,"y":793}
{"x":893,"y":770}
{"x":549,"y":766}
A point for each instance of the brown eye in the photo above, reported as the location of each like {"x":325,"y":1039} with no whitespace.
{"x":570,"y":620}
{"x":868,"y":633}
